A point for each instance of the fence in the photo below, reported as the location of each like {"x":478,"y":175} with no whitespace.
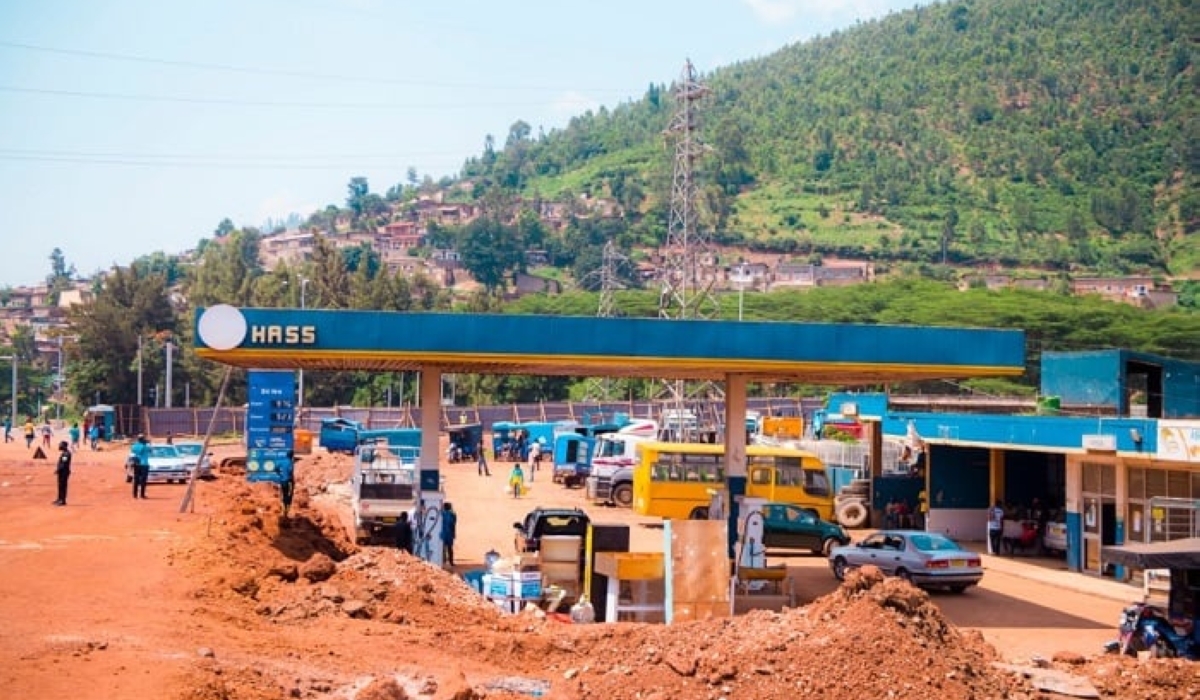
{"x":159,"y":422}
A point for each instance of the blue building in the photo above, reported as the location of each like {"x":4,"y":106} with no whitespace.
{"x":1118,"y":454}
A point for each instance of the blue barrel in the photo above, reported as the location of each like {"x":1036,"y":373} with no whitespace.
{"x":474,"y":579}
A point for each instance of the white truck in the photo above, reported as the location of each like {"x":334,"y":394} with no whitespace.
{"x":611,"y":477}
{"x":383,"y":485}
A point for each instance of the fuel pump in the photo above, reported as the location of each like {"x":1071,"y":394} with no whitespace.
{"x":427,"y":543}
{"x":751,"y":552}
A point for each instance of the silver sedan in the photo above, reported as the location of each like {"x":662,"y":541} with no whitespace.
{"x":926,"y":559}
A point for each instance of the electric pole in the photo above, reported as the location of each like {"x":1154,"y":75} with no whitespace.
{"x":598,"y":387}
{"x":688,"y":268}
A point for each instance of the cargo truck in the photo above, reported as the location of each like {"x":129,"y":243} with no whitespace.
{"x":383,"y":485}
{"x":611,"y":472}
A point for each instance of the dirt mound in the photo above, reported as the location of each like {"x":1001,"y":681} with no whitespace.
{"x":872,"y":637}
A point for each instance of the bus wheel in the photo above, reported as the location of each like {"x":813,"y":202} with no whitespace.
{"x":698,"y":513}
{"x":853,"y":514}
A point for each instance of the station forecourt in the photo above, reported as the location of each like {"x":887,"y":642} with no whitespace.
{"x":731,"y":354}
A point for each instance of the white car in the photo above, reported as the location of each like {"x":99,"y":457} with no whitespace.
{"x":166,"y":465}
{"x":1055,"y":538}
{"x":191,"y":453}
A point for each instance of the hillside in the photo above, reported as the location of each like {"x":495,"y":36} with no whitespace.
{"x":1055,"y":136}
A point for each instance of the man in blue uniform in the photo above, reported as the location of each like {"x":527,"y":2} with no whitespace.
{"x":139,"y":455}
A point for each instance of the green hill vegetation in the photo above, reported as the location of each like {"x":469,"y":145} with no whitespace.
{"x":1057,"y":136}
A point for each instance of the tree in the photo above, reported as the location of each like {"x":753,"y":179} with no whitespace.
{"x":490,"y":252}
{"x":61,"y":275}
{"x":330,"y":281}
{"x":226,"y":273}
{"x":949,"y":223}
{"x":130,"y":305}
{"x":162,"y":264}
{"x":357,"y":190}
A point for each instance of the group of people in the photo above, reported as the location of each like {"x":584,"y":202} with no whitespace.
{"x":408,"y":531}
{"x":897,"y":514}
{"x":31,"y":432}
{"x":75,"y":433}
{"x":1032,"y":521}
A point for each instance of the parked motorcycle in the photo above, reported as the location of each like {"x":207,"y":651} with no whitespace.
{"x":1147,"y":628}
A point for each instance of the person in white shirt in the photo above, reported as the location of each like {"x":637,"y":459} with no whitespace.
{"x":535,"y":458}
{"x":995,"y":527}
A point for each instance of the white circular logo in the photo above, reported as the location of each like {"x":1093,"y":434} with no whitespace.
{"x":222,"y":327}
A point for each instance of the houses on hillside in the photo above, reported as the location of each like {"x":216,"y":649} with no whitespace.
{"x":1136,"y":290}
{"x":34,"y":307}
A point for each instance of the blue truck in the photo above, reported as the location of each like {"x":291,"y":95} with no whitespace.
{"x":345,"y":435}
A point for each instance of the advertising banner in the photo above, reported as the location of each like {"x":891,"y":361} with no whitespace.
{"x":1179,"y":440}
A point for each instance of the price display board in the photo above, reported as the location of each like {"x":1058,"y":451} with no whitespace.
{"x":270,"y":420}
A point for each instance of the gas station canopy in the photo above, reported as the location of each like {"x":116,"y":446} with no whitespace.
{"x":388,"y":341}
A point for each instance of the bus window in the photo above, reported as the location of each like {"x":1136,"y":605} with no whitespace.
{"x":791,"y":476}
{"x":816,"y":483}
{"x":761,"y":476}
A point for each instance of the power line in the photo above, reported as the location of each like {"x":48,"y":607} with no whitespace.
{"x":277,"y":72}
{"x":130,"y":97}
{"x":83,"y":160}
{"x":230,"y":156}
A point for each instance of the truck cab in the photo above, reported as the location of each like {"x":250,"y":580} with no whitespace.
{"x":613,"y":459}
{"x":383,"y":485}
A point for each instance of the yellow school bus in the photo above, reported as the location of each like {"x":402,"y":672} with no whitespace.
{"x":677,"y":480}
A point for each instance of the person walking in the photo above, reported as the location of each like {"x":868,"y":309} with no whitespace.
{"x":995,"y":527}
{"x":535,"y":458}
{"x":93,"y":434}
{"x":481,"y":465}
{"x":139,"y":456}
{"x":74,"y":433}
{"x":403,"y":533}
{"x":287,"y":488}
{"x":449,"y":532}
{"x":8,"y":429}
{"x":47,"y":433}
{"x":63,"y":472}
{"x":28,"y":433}
{"x":516,"y":480}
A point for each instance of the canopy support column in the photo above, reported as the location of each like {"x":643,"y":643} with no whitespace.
{"x":735,"y":451}
{"x":428,"y":526}
{"x":431,"y":412}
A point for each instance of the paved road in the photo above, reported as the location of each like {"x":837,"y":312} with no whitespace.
{"x":1023,"y":607}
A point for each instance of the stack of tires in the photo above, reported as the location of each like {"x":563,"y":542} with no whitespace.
{"x":852,"y":505}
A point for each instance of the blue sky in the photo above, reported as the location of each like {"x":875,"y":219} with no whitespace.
{"x":134,"y":126}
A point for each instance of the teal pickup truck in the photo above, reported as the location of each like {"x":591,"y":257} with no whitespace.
{"x":345,"y":435}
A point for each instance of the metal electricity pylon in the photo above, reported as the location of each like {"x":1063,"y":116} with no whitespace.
{"x":610,"y":281}
{"x":688,"y":268}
